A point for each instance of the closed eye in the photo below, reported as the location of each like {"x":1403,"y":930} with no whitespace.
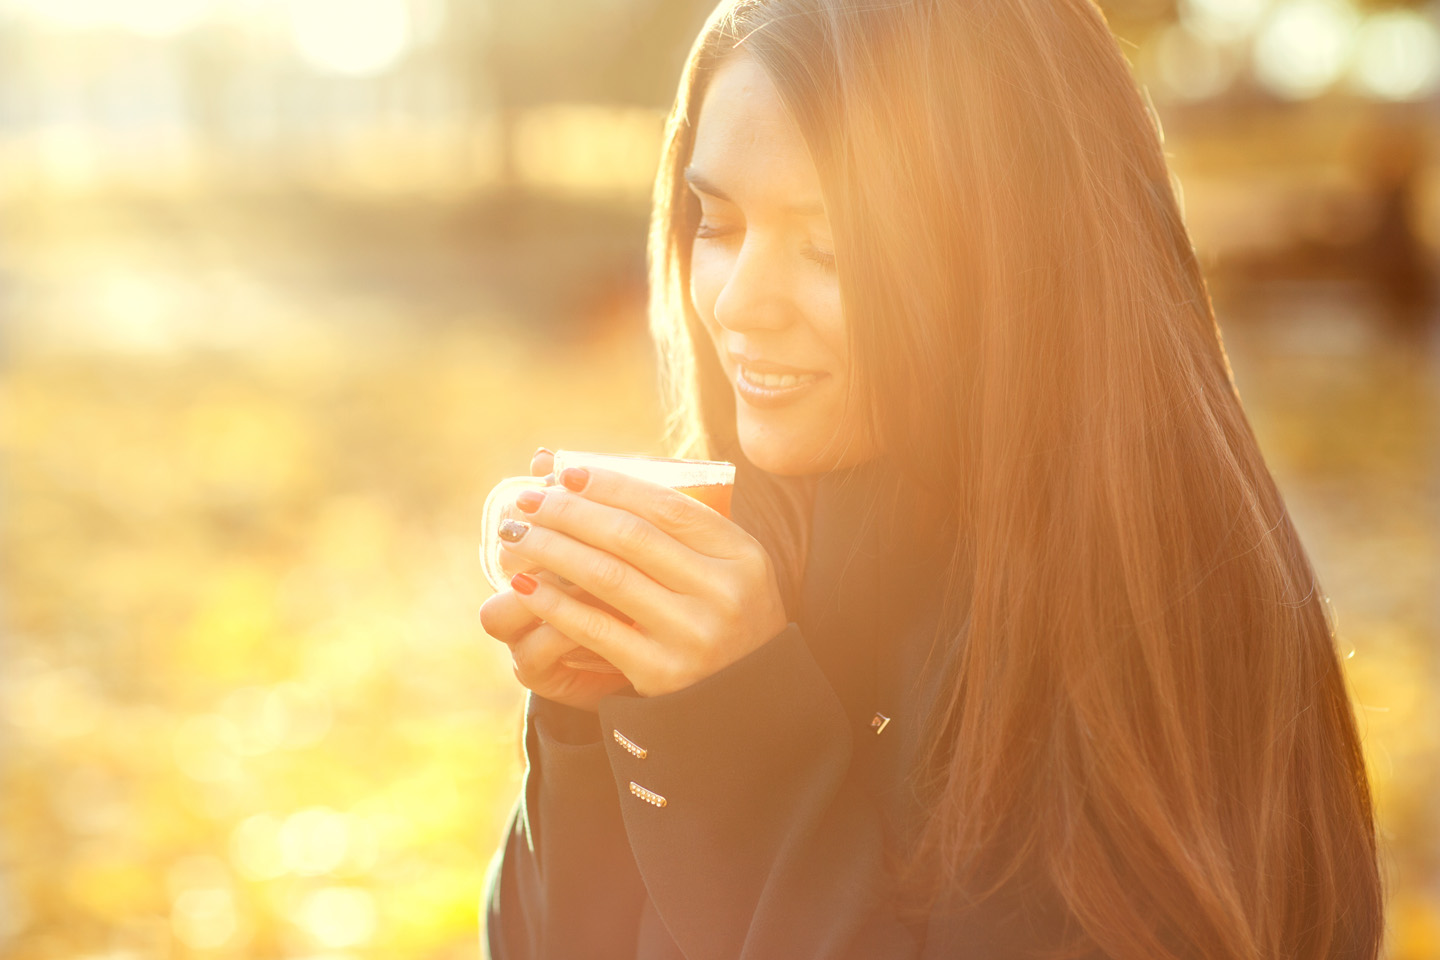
{"x":710,"y":231}
{"x":826,"y":260}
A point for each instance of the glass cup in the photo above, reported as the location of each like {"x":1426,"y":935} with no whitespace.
{"x":709,"y":481}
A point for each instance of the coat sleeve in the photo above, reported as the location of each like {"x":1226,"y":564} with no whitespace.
{"x":751,"y":829}
{"x":563,"y":883}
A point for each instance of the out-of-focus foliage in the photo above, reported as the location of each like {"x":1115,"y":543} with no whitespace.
{"x":1349,"y":419}
{"x":247,"y":705}
{"x":285,"y":285}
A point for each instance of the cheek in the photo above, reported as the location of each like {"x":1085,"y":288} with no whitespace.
{"x":827,"y":319}
{"x":706,"y":280}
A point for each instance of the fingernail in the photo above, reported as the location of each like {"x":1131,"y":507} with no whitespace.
{"x":575,"y":478}
{"x":523,"y":583}
{"x":540,"y":450}
{"x":512,"y":530}
{"x":529,"y":500}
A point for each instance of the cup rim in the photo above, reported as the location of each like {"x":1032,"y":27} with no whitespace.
{"x":648,"y":457}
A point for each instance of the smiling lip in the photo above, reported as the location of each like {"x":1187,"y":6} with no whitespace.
{"x":769,"y":397}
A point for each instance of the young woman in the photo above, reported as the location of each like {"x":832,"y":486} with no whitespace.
{"x":1011,"y":649}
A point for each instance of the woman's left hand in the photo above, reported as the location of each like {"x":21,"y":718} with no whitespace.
{"x":701,"y":591}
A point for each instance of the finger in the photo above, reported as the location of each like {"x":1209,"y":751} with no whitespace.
{"x":512,"y":563}
{"x":603,"y":574}
{"x":589,"y":662}
{"x":633,"y":539}
{"x":538,"y":653}
{"x":685,"y":518}
{"x":505,"y":618}
{"x":542,"y":463}
{"x":589,"y":626}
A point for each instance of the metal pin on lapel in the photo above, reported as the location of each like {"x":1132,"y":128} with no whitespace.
{"x":880,"y":722}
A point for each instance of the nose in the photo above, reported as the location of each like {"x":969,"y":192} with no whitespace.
{"x":757,"y":294}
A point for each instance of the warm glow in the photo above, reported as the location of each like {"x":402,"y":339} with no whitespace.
{"x":205,"y":748}
{"x":289,"y":283}
{"x":338,"y":916}
{"x":589,"y":150}
{"x":260,"y":719}
{"x":285,"y":716}
{"x":1222,"y":20}
{"x":45,"y":704}
{"x":350,"y":36}
{"x":314,"y":841}
{"x":255,"y":847}
{"x":1303,"y":47}
{"x":358,"y":37}
{"x":1191,"y":65}
{"x":203,"y":913}
{"x":148,"y":17}
{"x":1397,"y":56}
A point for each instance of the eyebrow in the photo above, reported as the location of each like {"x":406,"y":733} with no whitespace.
{"x":698,"y":180}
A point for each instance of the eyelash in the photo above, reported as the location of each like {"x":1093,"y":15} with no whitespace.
{"x":704,"y":231}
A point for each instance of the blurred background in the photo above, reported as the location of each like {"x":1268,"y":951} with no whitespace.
{"x":285,"y":285}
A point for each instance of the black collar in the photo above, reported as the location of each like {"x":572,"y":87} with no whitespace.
{"x":871,"y":578}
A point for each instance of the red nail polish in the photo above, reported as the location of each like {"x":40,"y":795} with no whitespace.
{"x":575,"y":478}
{"x":523,"y":583}
{"x":529,"y":500}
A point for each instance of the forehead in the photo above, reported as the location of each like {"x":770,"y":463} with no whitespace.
{"x":746,"y":141}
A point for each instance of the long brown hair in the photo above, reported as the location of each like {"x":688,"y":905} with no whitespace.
{"x":1147,"y":709}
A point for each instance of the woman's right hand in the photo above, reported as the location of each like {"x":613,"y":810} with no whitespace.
{"x":536,"y":647}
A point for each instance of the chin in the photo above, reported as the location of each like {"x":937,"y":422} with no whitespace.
{"x":797,"y":452}
{"x":780,"y":462}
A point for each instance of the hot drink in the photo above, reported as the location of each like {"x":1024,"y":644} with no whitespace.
{"x":709,"y":481}
{"x":716,"y":496}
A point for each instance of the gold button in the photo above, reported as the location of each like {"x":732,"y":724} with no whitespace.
{"x":880,"y":722}
{"x":631,"y":747}
{"x":649,"y":796}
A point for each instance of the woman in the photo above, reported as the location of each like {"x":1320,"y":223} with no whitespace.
{"x":1012,"y":648}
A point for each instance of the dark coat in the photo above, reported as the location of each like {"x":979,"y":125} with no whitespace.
{"x":750,"y":815}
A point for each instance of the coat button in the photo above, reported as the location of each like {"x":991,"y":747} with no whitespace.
{"x":631,"y":747}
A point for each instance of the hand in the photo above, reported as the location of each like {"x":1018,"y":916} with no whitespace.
{"x":535,"y":652}
{"x":536,"y":648}
{"x":699,"y":591}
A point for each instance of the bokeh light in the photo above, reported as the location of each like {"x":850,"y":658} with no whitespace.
{"x":1222,"y":20}
{"x":1397,"y":56}
{"x":338,"y":916}
{"x":1191,"y":65}
{"x":356,"y":37}
{"x":313,"y":842}
{"x":1302,"y":47}
{"x":255,"y":847}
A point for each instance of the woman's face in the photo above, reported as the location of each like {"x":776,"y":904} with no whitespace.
{"x":762,"y":277}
